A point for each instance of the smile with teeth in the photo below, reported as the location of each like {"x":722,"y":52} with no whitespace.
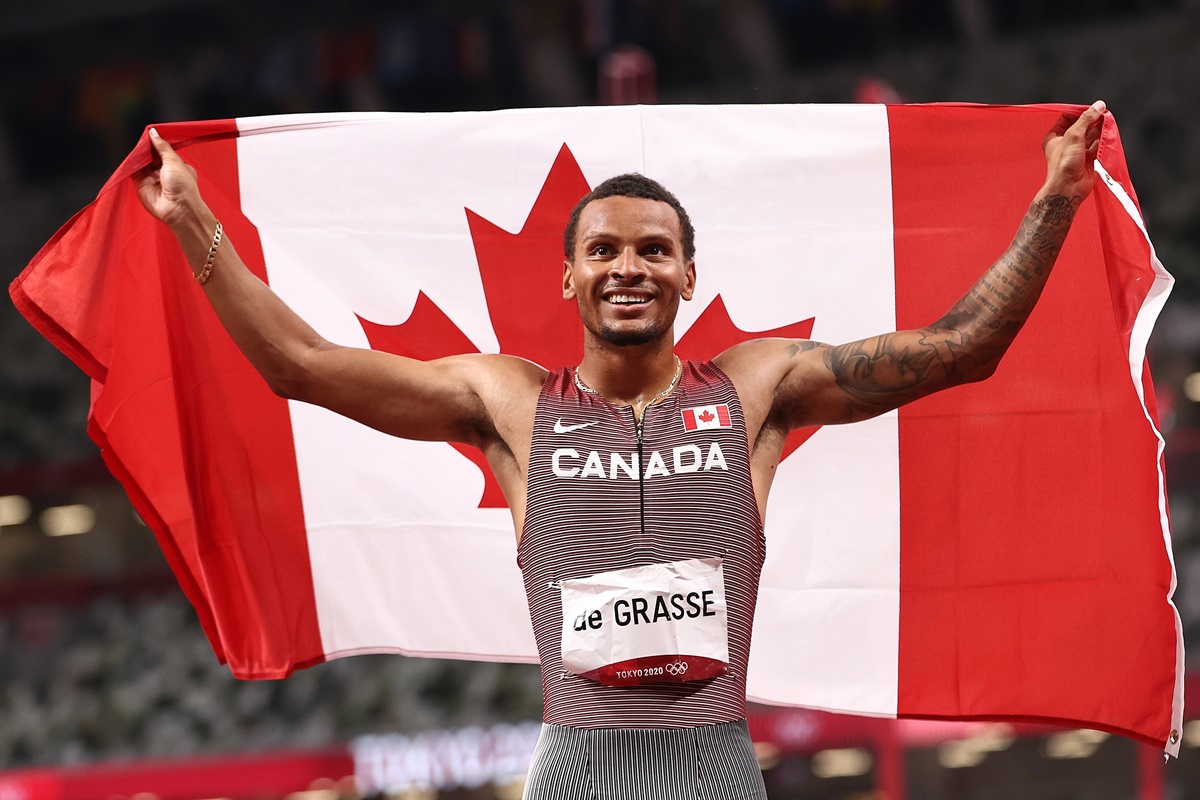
{"x":626,"y":299}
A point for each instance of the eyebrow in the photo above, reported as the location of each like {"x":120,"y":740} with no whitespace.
{"x":656,"y":235}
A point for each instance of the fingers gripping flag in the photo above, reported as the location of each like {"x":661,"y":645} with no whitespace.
{"x":1000,"y":550}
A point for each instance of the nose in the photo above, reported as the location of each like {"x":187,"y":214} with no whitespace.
{"x":628,"y":264}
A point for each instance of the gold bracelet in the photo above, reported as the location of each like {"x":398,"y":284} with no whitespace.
{"x":212,"y":255}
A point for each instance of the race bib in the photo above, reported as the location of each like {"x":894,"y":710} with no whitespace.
{"x":652,"y":624}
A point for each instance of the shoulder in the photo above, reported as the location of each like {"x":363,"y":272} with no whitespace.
{"x":765,"y":361}
{"x":503,"y":386}
{"x":764,"y":371}
{"x":495,"y":373}
{"x":518,"y":368}
{"x":508,"y":389}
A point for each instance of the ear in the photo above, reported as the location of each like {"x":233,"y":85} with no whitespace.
{"x":689,"y":281}
{"x":569,"y":292}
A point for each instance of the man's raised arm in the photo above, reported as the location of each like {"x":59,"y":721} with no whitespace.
{"x":819,"y":384}
{"x":441,"y":400}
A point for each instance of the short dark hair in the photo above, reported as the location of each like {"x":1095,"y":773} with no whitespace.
{"x":632,"y":184}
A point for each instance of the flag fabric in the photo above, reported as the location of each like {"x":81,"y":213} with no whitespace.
{"x":999,"y":550}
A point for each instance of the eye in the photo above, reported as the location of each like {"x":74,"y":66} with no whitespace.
{"x":601,"y":250}
{"x":655,"y":250}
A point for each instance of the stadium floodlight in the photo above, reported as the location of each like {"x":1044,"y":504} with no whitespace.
{"x":1191,"y":733}
{"x":842,"y":763}
{"x":67,"y":520}
{"x":1191,"y":387}
{"x":14,"y":510}
{"x":1074,"y":744}
{"x":960,"y":753}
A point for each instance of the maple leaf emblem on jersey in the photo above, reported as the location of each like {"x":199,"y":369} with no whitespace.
{"x":706,"y":416}
{"x":523,"y":270}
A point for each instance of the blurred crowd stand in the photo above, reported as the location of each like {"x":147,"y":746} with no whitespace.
{"x":121,"y":674}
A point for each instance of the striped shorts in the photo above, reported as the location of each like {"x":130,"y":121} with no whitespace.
{"x":710,"y":762}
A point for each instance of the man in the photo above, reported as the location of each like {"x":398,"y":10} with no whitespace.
{"x":636,"y":470}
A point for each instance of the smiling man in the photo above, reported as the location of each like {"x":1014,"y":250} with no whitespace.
{"x":637,"y":482}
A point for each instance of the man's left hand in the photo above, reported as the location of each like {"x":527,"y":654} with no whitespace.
{"x":1070,"y":149}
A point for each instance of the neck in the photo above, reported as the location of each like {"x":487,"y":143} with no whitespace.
{"x":632,"y":375}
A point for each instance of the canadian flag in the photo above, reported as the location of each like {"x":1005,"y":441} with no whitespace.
{"x":999,"y":550}
{"x":699,"y":418}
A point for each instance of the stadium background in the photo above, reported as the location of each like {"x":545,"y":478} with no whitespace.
{"x":107,"y":685}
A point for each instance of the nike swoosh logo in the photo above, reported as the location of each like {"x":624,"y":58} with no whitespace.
{"x":560,"y":428}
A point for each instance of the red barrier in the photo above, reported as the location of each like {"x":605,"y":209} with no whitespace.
{"x":248,"y":777}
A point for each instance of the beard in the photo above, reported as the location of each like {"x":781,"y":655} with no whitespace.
{"x":629,"y":338}
{"x":626,"y":333}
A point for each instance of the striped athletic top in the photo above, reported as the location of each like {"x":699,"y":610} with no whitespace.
{"x":590,"y":509}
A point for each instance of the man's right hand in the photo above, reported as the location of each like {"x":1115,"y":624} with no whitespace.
{"x":168,"y":188}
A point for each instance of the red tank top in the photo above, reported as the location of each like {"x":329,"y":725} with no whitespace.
{"x":598,"y":500}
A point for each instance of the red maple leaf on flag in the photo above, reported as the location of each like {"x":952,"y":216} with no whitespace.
{"x":707,"y":416}
{"x":522,"y":271}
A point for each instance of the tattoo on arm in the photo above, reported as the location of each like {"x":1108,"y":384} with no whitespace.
{"x":883,"y":372}
{"x":803,"y":346}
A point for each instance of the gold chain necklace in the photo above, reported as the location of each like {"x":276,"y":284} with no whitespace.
{"x":583,"y":387}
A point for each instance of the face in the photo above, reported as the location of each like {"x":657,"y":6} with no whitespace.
{"x":628,"y":273}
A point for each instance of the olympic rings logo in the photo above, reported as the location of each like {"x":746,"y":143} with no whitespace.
{"x":677,"y":667}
